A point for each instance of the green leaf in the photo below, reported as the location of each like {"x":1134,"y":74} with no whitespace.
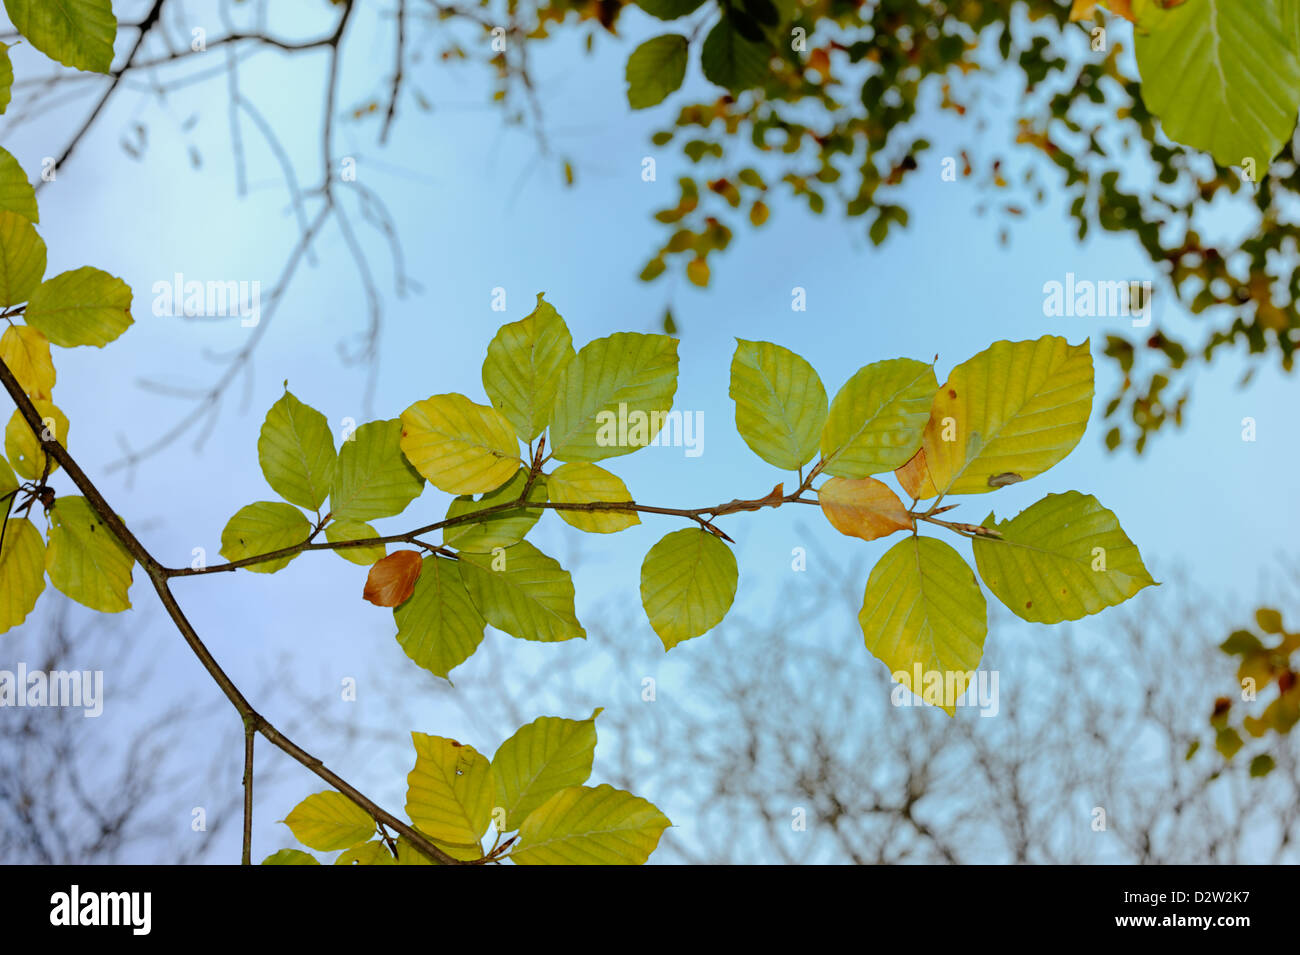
{"x":1262,"y":765}
{"x":1223,"y":76}
{"x":329,"y":820}
{"x":438,"y":625}
{"x":22,"y":259}
{"x":780,"y":403}
{"x":290,"y":857}
{"x":22,"y":571}
{"x":1010,"y":412}
{"x":81,"y":307}
{"x":8,"y":485}
{"x":85,"y":559}
{"x":523,"y":365}
{"x":371,"y":853}
{"x":614,"y":397}
{"x":522,"y":592}
{"x":1063,"y":558}
{"x":449,"y":792}
{"x":22,"y":448}
{"x":731,"y":61}
{"x":655,"y":69}
{"x":349,"y":530}
{"x":460,"y":446}
{"x":501,"y":529}
{"x":409,"y":855}
{"x":585,"y":825}
{"x":582,"y":483}
{"x":923,"y":606}
{"x":876,"y":420}
{"x":296,"y":451}
{"x":27,"y":353}
{"x":76,"y":33}
{"x":16,"y":193}
{"x":688,"y":581}
{"x":372,"y":478}
{"x":261,"y":528}
{"x":6,"y":89}
{"x":547,"y":755}
{"x":669,"y":9}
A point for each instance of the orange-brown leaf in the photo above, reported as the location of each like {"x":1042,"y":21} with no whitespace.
{"x":392,"y":579}
{"x":915,"y":478}
{"x":863,"y":508}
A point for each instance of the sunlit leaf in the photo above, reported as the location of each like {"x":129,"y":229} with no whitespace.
{"x":585,"y":825}
{"x":262,"y":528}
{"x":501,"y":529}
{"x":522,"y":370}
{"x":876,"y":420}
{"x":348,"y":530}
{"x":688,"y":582}
{"x":582,"y":483}
{"x":16,"y":192}
{"x":392,"y":580}
{"x":780,"y":403}
{"x":22,"y":259}
{"x":329,"y":820}
{"x":547,"y":755}
{"x":27,"y":353}
{"x":81,"y":307}
{"x":1060,"y":559}
{"x":439,"y":627}
{"x":22,"y":447}
{"x":862,"y":508}
{"x":449,"y":792}
{"x":521,"y":591}
{"x":296,"y":452}
{"x":373,"y":479}
{"x":290,"y":857}
{"x":77,"y":33}
{"x":85,"y":559}
{"x":922,"y":607}
{"x":460,"y":446}
{"x":22,"y":571}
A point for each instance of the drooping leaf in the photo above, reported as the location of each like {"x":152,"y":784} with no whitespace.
{"x":85,"y":559}
{"x":923,"y":606}
{"x":914,"y":477}
{"x":22,"y":259}
{"x":522,"y":592}
{"x":1063,"y":558}
{"x":655,"y":69}
{"x":22,"y":447}
{"x":1202,"y":74}
{"x":439,"y":627}
{"x":614,"y":396}
{"x":876,"y":420}
{"x":392,"y":580}
{"x":669,"y":9}
{"x":349,"y":530}
{"x":582,"y":483}
{"x":449,"y":792}
{"x":76,"y":33}
{"x":6,"y":87}
{"x":370,"y":853}
{"x":329,"y":820}
{"x":16,"y":193}
{"x":296,"y":452}
{"x":27,"y":353}
{"x":22,"y":571}
{"x":373,"y":479}
{"x":586,"y":825}
{"x":460,"y":446}
{"x":540,"y":759}
{"x":522,"y":370}
{"x":262,"y":528}
{"x":81,"y":307}
{"x":731,"y":60}
{"x":780,"y":403}
{"x":688,"y":582}
{"x":290,"y":857}
{"x":863,"y":508}
{"x":1012,"y":411}
{"x":501,"y":529}
{"x":409,"y":855}
{"x":8,"y":485}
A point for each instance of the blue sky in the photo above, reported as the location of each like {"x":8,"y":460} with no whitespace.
{"x":476,"y":209}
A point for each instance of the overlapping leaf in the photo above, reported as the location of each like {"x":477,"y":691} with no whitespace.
{"x":27,"y":353}
{"x":863,"y":508}
{"x":540,"y":759}
{"x":585,"y":825}
{"x":22,"y":259}
{"x":22,"y":571}
{"x":582,"y":483}
{"x":501,"y":529}
{"x":16,"y":193}
{"x":439,"y":627}
{"x":876,"y":420}
{"x":522,"y":370}
{"x":372,"y":478}
{"x":23,"y":448}
{"x":449,"y":792}
{"x":460,"y":446}
{"x":262,"y":528}
{"x":527,"y":595}
{"x":85,"y":559}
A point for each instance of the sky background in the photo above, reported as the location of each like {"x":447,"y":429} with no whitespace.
{"x":475,"y":209}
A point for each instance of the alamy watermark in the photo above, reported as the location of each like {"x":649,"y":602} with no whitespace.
{"x":638,"y":429}
{"x":1085,"y":298}
{"x":950,"y":688}
{"x":81,"y":688}
{"x":194,"y":299}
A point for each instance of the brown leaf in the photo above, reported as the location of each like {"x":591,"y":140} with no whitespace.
{"x":863,"y":508}
{"x":392,"y":579}
{"x":915,"y":478}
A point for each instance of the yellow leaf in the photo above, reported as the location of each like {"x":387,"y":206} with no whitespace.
{"x":863,"y":508}
{"x":22,"y":447}
{"x":914,"y":476}
{"x":329,"y":820}
{"x":27,"y":353}
{"x":449,"y":794}
{"x":22,"y":572}
{"x":581,"y":483}
{"x":460,"y":446}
